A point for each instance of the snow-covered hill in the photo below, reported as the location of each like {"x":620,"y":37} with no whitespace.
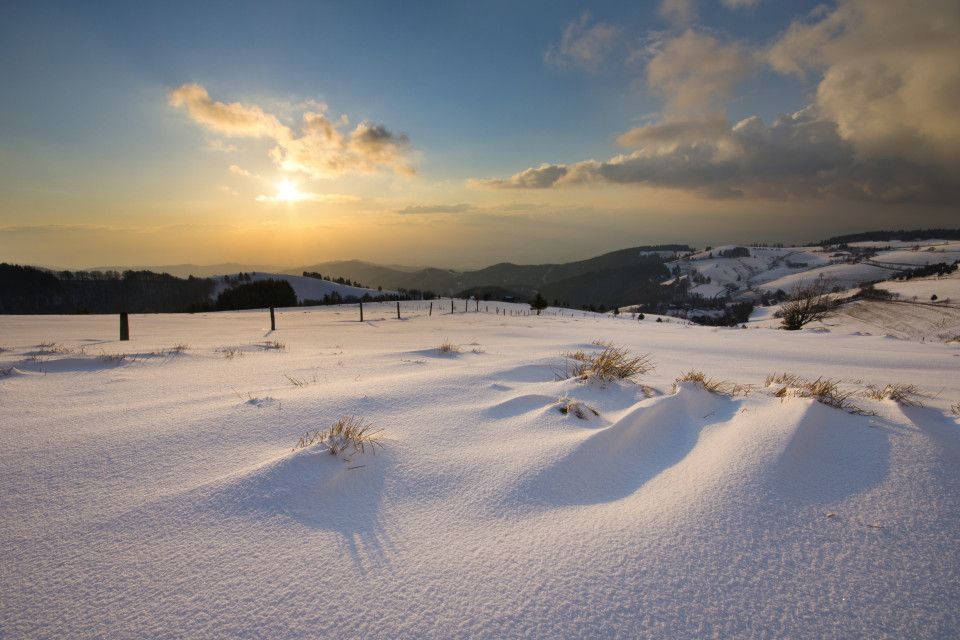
{"x":305,"y":288}
{"x":768,"y":269}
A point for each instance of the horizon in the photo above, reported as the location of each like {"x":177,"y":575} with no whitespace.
{"x":448,"y":135}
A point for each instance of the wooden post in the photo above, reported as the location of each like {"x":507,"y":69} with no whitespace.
{"x":398,"y":309}
{"x":273,"y":321}
{"x":478,"y":304}
{"x":124,"y":326}
{"x":451,"y":305}
{"x":361,"y":311}
{"x":431,"y":308}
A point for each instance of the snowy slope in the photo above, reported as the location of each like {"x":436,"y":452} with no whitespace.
{"x":306,"y":288}
{"x":157,"y":495}
{"x":769,"y":269}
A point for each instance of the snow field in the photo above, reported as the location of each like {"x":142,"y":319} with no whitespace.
{"x":159,"y":496}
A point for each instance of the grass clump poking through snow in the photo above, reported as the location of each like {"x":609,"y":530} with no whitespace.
{"x":448,"y":347}
{"x":722,"y":387}
{"x":612,"y":363}
{"x":906,"y":395}
{"x":348,"y":431}
{"x":823,"y":390}
{"x":175,"y":350}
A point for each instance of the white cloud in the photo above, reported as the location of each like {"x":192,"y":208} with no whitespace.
{"x":582,"y":45}
{"x":239,"y":171}
{"x":322,"y":150}
{"x":696,"y":73}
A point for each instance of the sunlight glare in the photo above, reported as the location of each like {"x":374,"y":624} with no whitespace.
{"x":287,"y":192}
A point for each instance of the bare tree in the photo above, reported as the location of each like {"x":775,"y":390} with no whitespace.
{"x":807,"y":303}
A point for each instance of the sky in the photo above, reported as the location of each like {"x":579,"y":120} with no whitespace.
{"x":460,"y":134}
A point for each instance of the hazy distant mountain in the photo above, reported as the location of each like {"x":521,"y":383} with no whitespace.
{"x":198,"y":271}
{"x":625,"y":265}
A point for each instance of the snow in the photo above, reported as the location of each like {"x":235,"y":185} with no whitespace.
{"x":158,"y":495}
{"x":306,"y":288}
{"x":770,"y":269}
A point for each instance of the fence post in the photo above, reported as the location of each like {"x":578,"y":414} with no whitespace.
{"x":431,"y":309}
{"x":273,"y":322}
{"x":124,"y":326}
{"x":398,"y":309}
{"x":451,"y":305}
{"x":361,"y":311}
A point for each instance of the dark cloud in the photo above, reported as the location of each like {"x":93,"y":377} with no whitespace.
{"x":800,"y":156}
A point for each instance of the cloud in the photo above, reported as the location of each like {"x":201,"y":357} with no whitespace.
{"x":678,"y":11}
{"x":321,"y":150}
{"x":696,"y":73}
{"x":889,"y":74}
{"x":581,"y":45}
{"x":740,"y":4}
{"x":800,"y":156}
{"x":231,"y":119}
{"x":239,"y":171}
{"x":882,"y":128}
{"x":438,"y":208}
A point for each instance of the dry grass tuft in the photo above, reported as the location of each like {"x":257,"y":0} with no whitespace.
{"x":175,"y":350}
{"x":613,"y":363}
{"x":906,"y":395}
{"x":230,"y":352}
{"x":275,"y":344}
{"x":448,"y":347}
{"x":722,"y":387}
{"x":571,"y":406}
{"x":955,"y":409}
{"x":51,"y":348}
{"x":301,"y":382}
{"x":349,"y":431}
{"x":823,"y":390}
{"x":116,"y":358}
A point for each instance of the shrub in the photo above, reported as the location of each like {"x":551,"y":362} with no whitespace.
{"x":348,"y":431}
{"x":807,"y":303}
{"x":539,"y":303}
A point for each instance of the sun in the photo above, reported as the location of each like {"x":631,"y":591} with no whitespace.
{"x":287,"y":192}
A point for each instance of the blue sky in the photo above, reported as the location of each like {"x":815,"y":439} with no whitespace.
{"x":462,"y":134}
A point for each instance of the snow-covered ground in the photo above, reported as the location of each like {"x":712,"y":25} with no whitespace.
{"x":157,"y":494}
